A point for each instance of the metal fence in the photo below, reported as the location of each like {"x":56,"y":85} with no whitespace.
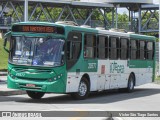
{"x":7,"y":21}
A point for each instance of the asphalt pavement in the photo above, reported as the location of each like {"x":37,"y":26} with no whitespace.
{"x":145,"y":98}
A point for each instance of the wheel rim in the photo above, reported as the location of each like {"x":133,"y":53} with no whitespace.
{"x":82,"y":88}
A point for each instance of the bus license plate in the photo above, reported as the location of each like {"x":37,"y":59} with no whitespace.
{"x":30,"y":85}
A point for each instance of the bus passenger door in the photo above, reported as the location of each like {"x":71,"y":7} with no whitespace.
{"x":113,"y":62}
{"x":73,"y":48}
{"x":101,"y":77}
{"x":103,"y":80}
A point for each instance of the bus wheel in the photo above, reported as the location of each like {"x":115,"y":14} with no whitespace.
{"x":131,"y":81}
{"x":83,"y":90}
{"x":35,"y":95}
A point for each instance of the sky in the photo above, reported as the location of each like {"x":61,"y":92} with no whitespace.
{"x":156,"y":1}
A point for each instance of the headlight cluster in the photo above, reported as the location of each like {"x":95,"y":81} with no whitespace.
{"x":12,"y":76}
{"x":57,"y":77}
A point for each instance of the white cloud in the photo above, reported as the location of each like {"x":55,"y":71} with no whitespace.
{"x":156,"y":1}
{"x":123,"y":10}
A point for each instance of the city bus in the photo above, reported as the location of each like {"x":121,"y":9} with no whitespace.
{"x":77,"y":60}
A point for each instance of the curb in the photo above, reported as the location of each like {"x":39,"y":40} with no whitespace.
{"x":13,"y":92}
{"x":3,"y":81}
{"x":3,"y":73}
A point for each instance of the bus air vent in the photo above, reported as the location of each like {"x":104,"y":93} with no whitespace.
{"x":118,"y":30}
{"x":131,"y":32}
{"x":85,"y":26}
{"x":100,"y":28}
{"x":67,"y":23}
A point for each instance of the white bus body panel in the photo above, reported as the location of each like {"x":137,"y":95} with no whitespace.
{"x":110,"y":75}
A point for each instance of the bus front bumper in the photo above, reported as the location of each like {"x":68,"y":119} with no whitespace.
{"x":57,"y":86}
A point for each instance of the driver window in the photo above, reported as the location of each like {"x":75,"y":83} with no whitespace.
{"x":49,"y":52}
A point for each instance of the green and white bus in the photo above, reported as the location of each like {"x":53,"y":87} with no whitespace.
{"x":61,"y":58}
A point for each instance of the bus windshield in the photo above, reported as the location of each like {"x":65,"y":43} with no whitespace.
{"x":37,"y":51}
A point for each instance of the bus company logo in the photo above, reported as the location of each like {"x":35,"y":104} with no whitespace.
{"x":92,"y":65}
{"x":114,"y":67}
{"x":21,"y":114}
{"x":20,"y":74}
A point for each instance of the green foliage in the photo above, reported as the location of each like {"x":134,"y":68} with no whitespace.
{"x":97,"y":17}
{"x":123,"y":17}
{"x":157,"y":40}
{"x":153,"y":34}
{"x":3,"y":57}
{"x":55,"y":11}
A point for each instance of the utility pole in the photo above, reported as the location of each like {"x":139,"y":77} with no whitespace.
{"x":26,"y":10}
{"x":159,"y":41}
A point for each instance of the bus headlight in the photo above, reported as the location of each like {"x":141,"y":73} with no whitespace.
{"x":55,"y":78}
{"x":12,"y":76}
{"x":50,"y":80}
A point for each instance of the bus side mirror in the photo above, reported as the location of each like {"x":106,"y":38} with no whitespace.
{"x":4,"y":45}
{"x":7,"y":37}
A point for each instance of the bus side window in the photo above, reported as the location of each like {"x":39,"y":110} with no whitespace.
{"x":142,"y":50}
{"x":102,"y":47}
{"x":124,"y":48}
{"x":134,"y":49}
{"x":149,"y":51}
{"x":113,"y":48}
{"x":89,"y":46}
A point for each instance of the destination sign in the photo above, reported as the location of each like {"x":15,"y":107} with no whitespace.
{"x":38,"y":29}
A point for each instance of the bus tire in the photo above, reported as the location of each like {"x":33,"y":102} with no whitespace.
{"x":83,"y":90}
{"x":35,"y":95}
{"x":131,"y":81}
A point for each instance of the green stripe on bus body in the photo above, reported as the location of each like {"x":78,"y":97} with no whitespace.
{"x":142,"y":37}
{"x":85,"y":66}
{"x":140,"y":64}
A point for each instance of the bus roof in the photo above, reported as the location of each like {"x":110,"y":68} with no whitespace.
{"x":91,"y":30}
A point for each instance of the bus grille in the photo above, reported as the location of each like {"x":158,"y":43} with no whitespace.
{"x":30,"y":79}
{"x":35,"y":70}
